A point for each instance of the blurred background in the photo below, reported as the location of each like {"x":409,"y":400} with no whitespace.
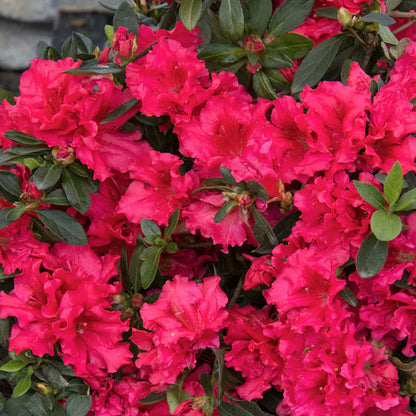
{"x":23,"y":23}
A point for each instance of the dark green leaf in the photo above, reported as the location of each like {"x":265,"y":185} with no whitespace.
{"x":371,"y":256}
{"x":77,"y":405}
{"x":227,"y":175}
{"x":69,"y":47}
{"x":348,"y":296}
{"x":153,"y":398}
{"x":99,"y":70}
{"x":262,"y":229}
{"x":258,"y":190}
{"x":385,"y":225}
{"x":263,"y":87}
{"x":54,"y":377}
{"x":370,"y":194}
{"x":329,"y":12}
{"x":316,"y":63}
{"x":228,"y":409}
{"x":206,"y":383}
{"x":8,"y":96}
{"x":407,"y":202}
{"x":392,"y":4}
{"x":134,"y":267}
{"x":273,"y":59}
{"x":251,"y":407}
{"x":175,"y":396}
{"x":4,"y":222}
{"x":5,"y":332}
{"x":51,"y":54}
{"x":84,"y":43}
{"x":293,"y":45}
{"x":387,"y":35}
{"x":76,"y":192}
{"x":219,"y":371}
{"x":17,"y":406}
{"x":393,"y":184}
{"x":284,"y":227}
{"x":381,"y":18}
{"x":120,"y":111}
{"x":12,"y":366}
{"x":10,"y":188}
{"x":40,"y":49}
{"x":232,"y":19}
{"x":148,"y":270}
{"x":173,"y":222}
{"x":149,"y":227}
{"x":25,"y":150}
{"x":15,"y":213}
{"x":221,"y":52}
{"x":40,"y":405}
{"x":190,"y":12}
{"x":56,"y":197}
{"x":47,"y":176}
{"x":171,"y":248}
{"x":64,"y":226}
{"x":125,"y":16}
{"x":22,"y":138}
{"x":290,"y":15}
{"x":277,"y":79}
{"x":22,"y":386}
{"x":217,"y":33}
{"x":224,"y":210}
{"x":259,"y":13}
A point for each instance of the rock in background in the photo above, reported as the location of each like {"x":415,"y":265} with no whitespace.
{"x":24,"y":23}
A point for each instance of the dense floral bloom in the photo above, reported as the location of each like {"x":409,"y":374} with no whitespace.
{"x":181,"y":326}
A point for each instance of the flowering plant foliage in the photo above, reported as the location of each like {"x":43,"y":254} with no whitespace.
{"x":213,"y":214}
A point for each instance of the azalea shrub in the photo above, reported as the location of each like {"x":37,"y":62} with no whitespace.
{"x":213,"y":214}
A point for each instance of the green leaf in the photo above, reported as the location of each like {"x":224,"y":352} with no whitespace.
{"x":290,"y":15}
{"x":228,"y":409}
{"x":190,"y":12}
{"x":15,"y":213}
{"x":293,"y":45}
{"x":328,"y":12}
{"x":273,"y":59}
{"x":125,"y":16}
{"x":120,"y":111}
{"x":371,"y":256}
{"x":316,"y":63}
{"x":370,"y":194}
{"x":149,"y":227}
{"x":148,"y":270}
{"x":175,"y":396}
{"x":22,"y":138}
{"x":381,"y":18}
{"x":76,"y":191}
{"x":283,"y":228}
{"x":277,"y":79}
{"x":4,"y":222}
{"x":393,"y":184}
{"x":392,"y":4}
{"x":258,"y":190}
{"x":387,"y":35}
{"x":385,"y":225}
{"x":221,"y":52}
{"x":40,"y":405}
{"x":77,"y":405}
{"x":64,"y":226}
{"x":205,"y":380}
{"x":227,"y":175}
{"x":99,"y":70}
{"x":84,"y":43}
{"x":8,"y":96}
{"x":348,"y":296}
{"x":47,"y":176}
{"x":232,"y":19}
{"x":12,"y":366}
{"x":217,"y":33}
{"x":10,"y":188}
{"x":173,"y":222}
{"x":251,"y":407}
{"x":224,"y":210}
{"x":407,"y":202}
{"x":56,"y":197}
{"x":22,"y":386}
{"x":263,"y":87}
{"x":262,"y":231}
{"x":135,"y":264}
{"x":153,"y":398}
{"x":259,"y":13}
{"x":54,"y":377}
{"x":219,"y":370}
{"x":171,"y":248}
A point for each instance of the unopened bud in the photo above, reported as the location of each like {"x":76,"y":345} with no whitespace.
{"x":63,"y":155}
{"x":344,"y":17}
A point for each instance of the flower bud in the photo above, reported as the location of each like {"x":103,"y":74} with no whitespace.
{"x":344,"y":17}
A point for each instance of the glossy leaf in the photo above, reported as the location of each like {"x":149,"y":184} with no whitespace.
{"x":99,"y":70}
{"x":22,"y":138}
{"x":393,"y":184}
{"x":54,"y":377}
{"x":315,"y":64}
{"x":407,"y":202}
{"x":262,"y":230}
{"x":348,"y":296}
{"x":259,"y":13}
{"x":56,"y":197}
{"x":4,"y":222}
{"x":328,"y":12}
{"x":221,"y":52}
{"x":385,"y":225}
{"x":228,"y":409}
{"x":227,"y":175}
{"x":290,"y":15}
{"x":15,"y":213}
{"x":12,"y":366}
{"x":283,"y":228}
{"x":120,"y":111}
{"x":262,"y":86}
{"x":77,"y":405}
{"x":149,"y":227}
{"x":23,"y":385}
{"x":381,"y":18}
{"x":148,"y":270}
{"x":173,"y":222}
{"x":47,"y":176}
{"x":231,"y":18}
{"x":190,"y":12}
{"x":224,"y":210}
{"x":64,"y":226}
{"x":76,"y":192}
{"x":274,"y":59}
{"x":258,"y":190}
{"x":371,"y":256}
{"x":277,"y":79}
{"x":293,"y":45}
{"x":370,"y":194}
{"x":125,"y":16}
{"x":10,"y":188}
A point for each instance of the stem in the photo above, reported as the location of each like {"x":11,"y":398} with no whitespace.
{"x":405,"y":26}
{"x":237,"y":292}
{"x":403,"y":15}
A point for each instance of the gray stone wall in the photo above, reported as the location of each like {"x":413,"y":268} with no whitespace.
{"x":23,"y":23}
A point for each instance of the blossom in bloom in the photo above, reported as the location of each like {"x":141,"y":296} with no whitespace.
{"x":186,"y":317}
